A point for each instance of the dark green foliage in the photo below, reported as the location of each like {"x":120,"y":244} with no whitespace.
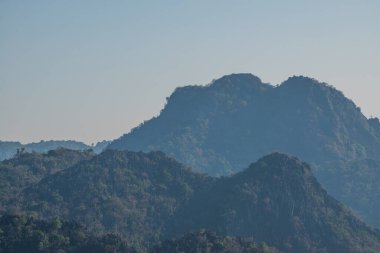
{"x":29,"y":168}
{"x":207,"y":242}
{"x":20,"y":234}
{"x":135,"y":194}
{"x":150,"y":197}
{"x":277,"y":200}
{"x":222,"y":127}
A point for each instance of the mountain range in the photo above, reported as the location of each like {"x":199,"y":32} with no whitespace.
{"x":184,"y":181}
{"x":8,"y":149}
{"x":149,"y":198}
{"x":222,"y":127}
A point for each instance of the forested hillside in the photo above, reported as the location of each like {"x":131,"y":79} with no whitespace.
{"x":20,"y":234}
{"x":29,"y":168}
{"x":150,"y":198}
{"x":224,"y":126}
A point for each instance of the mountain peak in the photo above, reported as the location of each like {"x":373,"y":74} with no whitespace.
{"x":279,"y":201}
{"x":243,"y":80}
{"x":222,"y":127}
{"x":302,"y":78}
{"x":283,"y":159}
{"x":279,"y":167}
{"x":304,"y":81}
{"x":240,"y":77}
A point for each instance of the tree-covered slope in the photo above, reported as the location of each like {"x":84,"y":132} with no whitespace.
{"x":151,"y":197}
{"x":21,"y":234}
{"x":237,"y":118}
{"x":278,"y":200}
{"x":220,"y":128}
{"x":134,"y":194}
{"x":208,"y":242}
{"x":28,"y":168}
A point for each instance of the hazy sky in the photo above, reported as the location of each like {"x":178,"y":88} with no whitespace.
{"x":91,"y":70}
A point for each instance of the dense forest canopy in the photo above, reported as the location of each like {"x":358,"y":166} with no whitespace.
{"x":148,"y":198}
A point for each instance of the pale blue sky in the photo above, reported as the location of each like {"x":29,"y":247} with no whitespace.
{"x":91,"y":70}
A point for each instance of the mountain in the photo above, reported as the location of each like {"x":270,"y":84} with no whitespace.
{"x":26,"y":169}
{"x":151,"y":197}
{"x":8,"y":149}
{"x":277,"y":200}
{"x":134,"y":194}
{"x":221,"y":127}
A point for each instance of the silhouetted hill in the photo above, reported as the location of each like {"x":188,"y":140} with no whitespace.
{"x":278,"y":200}
{"x":220,"y":128}
{"x":26,"y":169}
{"x":8,"y":149}
{"x":150,"y":197}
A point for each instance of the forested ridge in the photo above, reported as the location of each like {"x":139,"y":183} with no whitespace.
{"x":222,"y":127}
{"x":149,"y":198}
{"x":216,"y":171}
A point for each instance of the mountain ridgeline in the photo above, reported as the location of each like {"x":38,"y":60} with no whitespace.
{"x":9,"y":149}
{"x":220,"y":128}
{"x":148,"y":198}
{"x":134,"y":194}
{"x":141,"y":195}
{"x":277,"y":200}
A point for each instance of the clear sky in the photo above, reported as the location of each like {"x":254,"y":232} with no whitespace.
{"x":92,"y":70}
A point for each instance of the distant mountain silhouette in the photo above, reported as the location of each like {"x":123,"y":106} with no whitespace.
{"x":220,"y":128}
{"x":10,"y":148}
{"x":151,"y":197}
